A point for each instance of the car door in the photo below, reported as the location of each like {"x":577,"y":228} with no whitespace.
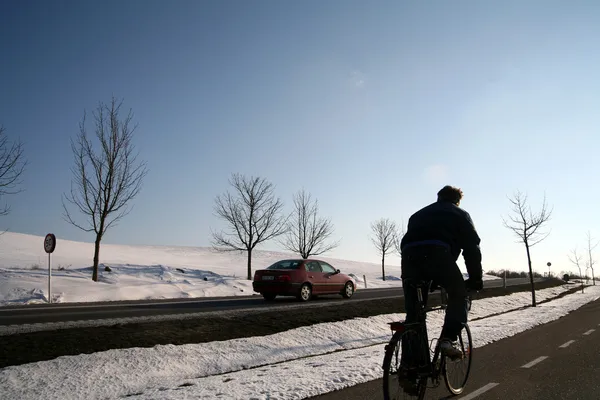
{"x":334,"y":282}
{"x":315,"y":276}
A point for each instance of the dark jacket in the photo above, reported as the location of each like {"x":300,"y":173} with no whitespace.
{"x":445,"y":222}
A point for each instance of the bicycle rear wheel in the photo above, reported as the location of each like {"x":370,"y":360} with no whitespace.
{"x":392,"y":390}
{"x":456,"y":373}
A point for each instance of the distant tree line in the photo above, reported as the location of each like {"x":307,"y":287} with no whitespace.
{"x":513,"y":274}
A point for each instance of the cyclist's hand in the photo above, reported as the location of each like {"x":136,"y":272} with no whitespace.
{"x":474,"y":284}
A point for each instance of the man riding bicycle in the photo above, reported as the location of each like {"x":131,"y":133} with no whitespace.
{"x":435,"y":236}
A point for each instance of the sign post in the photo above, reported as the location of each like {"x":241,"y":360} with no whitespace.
{"x":549,"y":264}
{"x":49,"y":246}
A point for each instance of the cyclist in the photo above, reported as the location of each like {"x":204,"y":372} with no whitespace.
{"x":435,"y":236}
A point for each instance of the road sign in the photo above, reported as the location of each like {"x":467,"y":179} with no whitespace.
{"x":49,"y":243}
{"x":49,"y":246}
{"x":549,"y":263}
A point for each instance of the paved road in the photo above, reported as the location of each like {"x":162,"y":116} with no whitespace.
{"x":61,"y":312}
{"x":554,"y":361}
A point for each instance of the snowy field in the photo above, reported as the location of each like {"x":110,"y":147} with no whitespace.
{"x":142,"y":272}
{"x":329,"y":356}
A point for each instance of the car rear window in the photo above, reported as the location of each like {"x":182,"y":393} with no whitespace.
{"x":287,"y":264}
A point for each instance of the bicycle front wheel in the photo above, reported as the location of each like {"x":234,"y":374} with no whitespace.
{"x":456,"y":373}
{"x":392,"y":388}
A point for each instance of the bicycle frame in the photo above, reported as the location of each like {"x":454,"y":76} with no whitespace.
{"x":434,"y":365}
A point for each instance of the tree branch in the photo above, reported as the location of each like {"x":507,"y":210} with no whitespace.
{"x":385,"y":235}
{"x":307,"y":233}
{"x":252,"y":215}
{"x":524,"y":223}
{"x":12,"y":166}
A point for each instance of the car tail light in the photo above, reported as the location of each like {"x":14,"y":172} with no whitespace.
{"x":284,"y":278}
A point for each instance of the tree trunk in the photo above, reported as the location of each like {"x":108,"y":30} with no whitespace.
{"x":593,"y":278}
{"x":533,"y":304}
{"x":249,"y":264}
{"x":383,"y":266}
{"x":96,"y":257}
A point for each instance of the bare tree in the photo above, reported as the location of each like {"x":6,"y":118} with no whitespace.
{"x":252,"y":213}
{"x":399,"y":236}
{"x":307,"y":234}
{"x":12,"y":165}
{"x":385,"y":238}
{"x":576,"y":259}
{"x":527,"y":226}
{"x":104,"y":181}
{"x":591,"y":262}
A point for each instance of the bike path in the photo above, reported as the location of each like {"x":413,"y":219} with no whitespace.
{"x":529,"y":365}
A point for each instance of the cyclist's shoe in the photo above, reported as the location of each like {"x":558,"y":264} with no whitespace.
{"x":450,"y":349}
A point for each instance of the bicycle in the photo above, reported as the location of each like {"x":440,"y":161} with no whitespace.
{"x":428,"y":367}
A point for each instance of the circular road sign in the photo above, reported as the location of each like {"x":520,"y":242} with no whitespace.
{"x":49,"y":243}
{"x":549,"y":263}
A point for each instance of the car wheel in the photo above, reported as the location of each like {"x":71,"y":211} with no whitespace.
{"x":305,"y":292}
{"x":269,"y":296}
{"x":348,"y":290}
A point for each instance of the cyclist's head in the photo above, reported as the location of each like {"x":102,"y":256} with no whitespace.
{"x":450,"y":193}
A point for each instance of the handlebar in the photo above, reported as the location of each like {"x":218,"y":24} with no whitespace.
{"x":470,"y":295}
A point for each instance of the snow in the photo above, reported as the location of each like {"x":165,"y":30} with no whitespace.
{"x":307,"y":377}
{"x":294,"y":364}
{"x":142,"y":272}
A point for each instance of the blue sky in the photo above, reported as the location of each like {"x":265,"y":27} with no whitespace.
{"x":370,"y":106}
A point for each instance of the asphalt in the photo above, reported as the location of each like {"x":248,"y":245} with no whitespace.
{"x":527,"y":366}
{"x":62,"y":312}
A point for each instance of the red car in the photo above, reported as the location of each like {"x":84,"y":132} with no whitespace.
{"x":303,"y":279}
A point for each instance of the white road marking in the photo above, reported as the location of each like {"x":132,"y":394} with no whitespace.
{"x":567,"y":344}
{"x":479,"y":391}
{"x":534,"y":362}
{"x":588,"y":332}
